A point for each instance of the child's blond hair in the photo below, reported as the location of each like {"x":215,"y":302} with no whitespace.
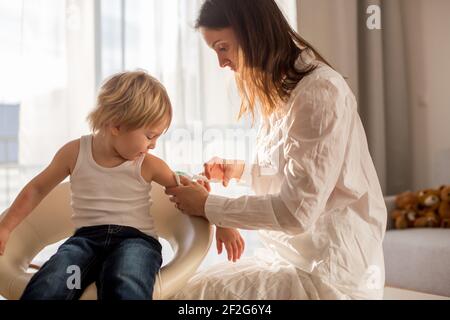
{"x":132,"y":99}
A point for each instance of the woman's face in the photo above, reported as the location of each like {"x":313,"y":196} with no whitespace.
{"x":224,"y":43}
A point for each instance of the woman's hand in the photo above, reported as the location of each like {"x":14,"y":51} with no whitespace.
{"x":232,"y":240}
{"x":4,"y":236}
{"x":223,"y":170}
{"x":205,"y":184}
{"x":190,"y":198}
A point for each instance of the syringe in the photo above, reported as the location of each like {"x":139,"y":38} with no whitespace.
{"x":190,"y":177}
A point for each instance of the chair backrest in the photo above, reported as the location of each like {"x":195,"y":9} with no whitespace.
{"x":51,"y":222}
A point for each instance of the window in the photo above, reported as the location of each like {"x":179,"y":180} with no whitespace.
{"x":10,"y":12}
{"x":9,"y":130}
{"x":9,"y":127}
{"x":68,"y":47}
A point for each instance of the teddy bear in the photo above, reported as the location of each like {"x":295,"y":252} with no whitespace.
{"x":429,"y":200}
{"x":406,"y":212}
{"x":428,"y":205}
{"x":406,"y":200}
{"x":428,"y":219}
{"x":444,"y":207}
{"x":429,"y":208}
{"x":404,"y":219}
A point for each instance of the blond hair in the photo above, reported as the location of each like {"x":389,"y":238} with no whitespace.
{"x":132,"y":99}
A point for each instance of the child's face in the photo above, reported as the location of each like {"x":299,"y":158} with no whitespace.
{"x":131,"y":144}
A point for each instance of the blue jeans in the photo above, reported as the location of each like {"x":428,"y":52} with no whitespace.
{"x":122,"y":261}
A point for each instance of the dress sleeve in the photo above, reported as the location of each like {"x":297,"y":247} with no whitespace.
{"x":247,"y":174}
{"x":317,"y":132}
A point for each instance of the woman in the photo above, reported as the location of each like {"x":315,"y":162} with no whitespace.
{"x":318,"y":202}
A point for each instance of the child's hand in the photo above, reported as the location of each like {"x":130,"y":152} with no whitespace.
{"x":234,"y":243}
{"x":4,"y":236}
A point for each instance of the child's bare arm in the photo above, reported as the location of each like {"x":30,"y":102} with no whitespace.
{"x":155,"y":169}
{"x":232,"y":240}
{"x":33,"y":193}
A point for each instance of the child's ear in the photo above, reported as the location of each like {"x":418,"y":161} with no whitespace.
{"x":115,"y":130}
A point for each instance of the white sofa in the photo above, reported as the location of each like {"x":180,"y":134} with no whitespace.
{"x":417,"y":259}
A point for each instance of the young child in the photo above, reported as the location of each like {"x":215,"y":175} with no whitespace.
{"x":115,"y":243}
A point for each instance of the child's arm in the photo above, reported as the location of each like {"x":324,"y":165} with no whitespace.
{"x":155,"y":169}
{"x":33,"y":193}
{"x":232,"y":240}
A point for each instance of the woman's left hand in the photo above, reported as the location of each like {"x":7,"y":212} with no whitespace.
{"x":190,"y":198}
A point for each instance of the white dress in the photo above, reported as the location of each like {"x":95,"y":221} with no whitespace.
{"x":318,"y":205}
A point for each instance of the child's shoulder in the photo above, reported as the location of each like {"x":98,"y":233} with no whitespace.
{"x":73,"y":145}
{"x":70,"y":152}
{"x":71,"y":148}
{"x":150,"y":165}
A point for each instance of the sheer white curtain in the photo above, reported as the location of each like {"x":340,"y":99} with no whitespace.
{"x":59,"y":51}
{"x":58,"y":76}
{"x":47,"y":67}
{"x":159,"y":36}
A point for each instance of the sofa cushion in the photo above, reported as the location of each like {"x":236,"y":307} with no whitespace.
{"x":418,"y":259}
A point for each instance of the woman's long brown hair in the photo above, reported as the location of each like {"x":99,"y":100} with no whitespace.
{"x":269,"y":49}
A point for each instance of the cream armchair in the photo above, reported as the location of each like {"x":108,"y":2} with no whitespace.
{"x":189,"y":237}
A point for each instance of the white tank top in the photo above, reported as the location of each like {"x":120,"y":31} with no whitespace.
{"x":118,"y":195}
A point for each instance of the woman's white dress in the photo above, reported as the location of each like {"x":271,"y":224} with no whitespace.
{"x":318,"y":205}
